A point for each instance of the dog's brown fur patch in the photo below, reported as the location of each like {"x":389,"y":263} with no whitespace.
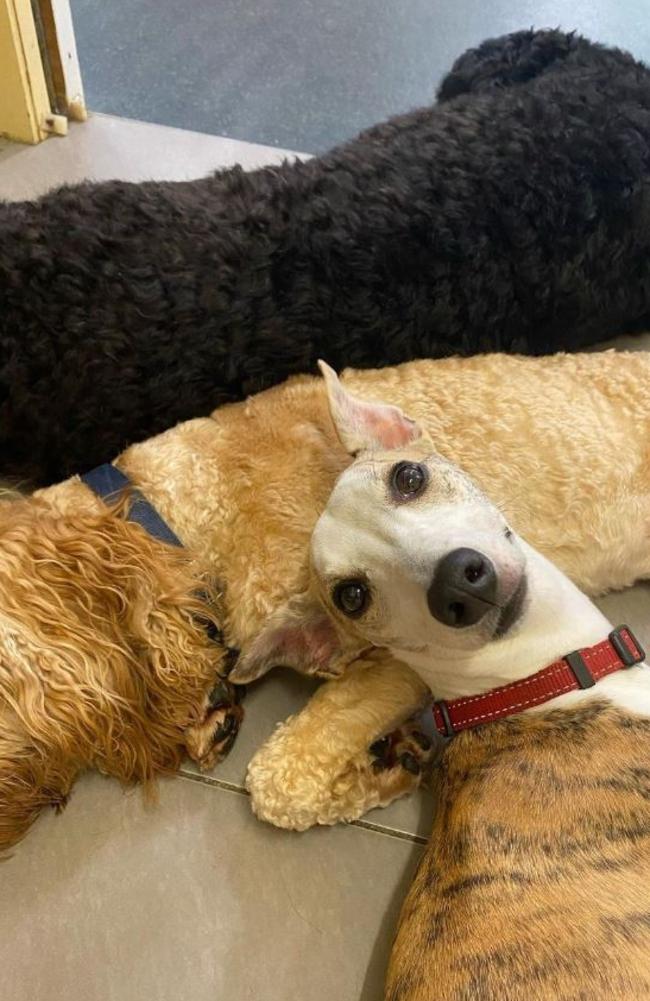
{"x":535,"y":884}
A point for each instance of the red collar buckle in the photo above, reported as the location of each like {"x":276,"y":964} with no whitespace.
{"x":577,"y":670}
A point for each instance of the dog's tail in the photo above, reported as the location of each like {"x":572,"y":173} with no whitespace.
{"x":508,"y":60}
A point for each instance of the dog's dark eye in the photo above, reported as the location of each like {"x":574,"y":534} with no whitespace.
{"x":352,"y":597}
{"x":409,"y":478}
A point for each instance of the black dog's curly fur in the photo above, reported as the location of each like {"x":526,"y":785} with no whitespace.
{"x":513,"y":215}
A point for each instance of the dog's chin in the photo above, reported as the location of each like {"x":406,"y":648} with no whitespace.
{"x":511,"y":612}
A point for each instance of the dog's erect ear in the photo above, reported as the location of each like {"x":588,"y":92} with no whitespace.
{"x":363,"y":425}
{"x":299,"y":635}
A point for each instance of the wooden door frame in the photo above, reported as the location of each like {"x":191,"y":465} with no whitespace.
{"x":40,"y":82}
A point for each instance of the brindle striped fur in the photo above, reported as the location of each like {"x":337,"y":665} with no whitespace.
{"x":536,"y":882}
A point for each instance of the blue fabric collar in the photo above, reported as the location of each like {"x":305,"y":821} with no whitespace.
{"x":107,"y":482}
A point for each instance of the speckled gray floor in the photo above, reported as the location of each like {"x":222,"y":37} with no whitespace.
{"x":304,"y":74}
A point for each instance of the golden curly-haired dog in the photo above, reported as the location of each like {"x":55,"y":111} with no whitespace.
{"x":104,"y":657}
{"x":105,"y":660}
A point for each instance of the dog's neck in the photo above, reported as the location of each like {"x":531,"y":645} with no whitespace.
{"x":557,"y":620}
{"x":179,"y":474}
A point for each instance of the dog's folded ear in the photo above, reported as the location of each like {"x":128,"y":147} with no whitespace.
{"x":300,"y":635}
{"x":362,"y":424}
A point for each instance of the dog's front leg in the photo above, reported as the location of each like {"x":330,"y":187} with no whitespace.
{"x":318,"y":767}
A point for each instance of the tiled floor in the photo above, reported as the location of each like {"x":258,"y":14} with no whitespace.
{"x":299,"y":73}
{"x":106,"y":147}
{"x":194,"y":899}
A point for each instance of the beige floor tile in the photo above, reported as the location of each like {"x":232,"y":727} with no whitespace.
{"x":193,"y":899}
{"x":105,"y":147}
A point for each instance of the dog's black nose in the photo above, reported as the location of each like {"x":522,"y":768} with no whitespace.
{"x":463,"y":589}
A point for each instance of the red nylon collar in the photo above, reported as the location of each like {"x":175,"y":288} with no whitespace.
{"x":580,"y":669}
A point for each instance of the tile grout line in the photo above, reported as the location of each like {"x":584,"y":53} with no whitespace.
{"x":367,"y":825}
{"x":364,"y":825}
{"x":207,"y":780}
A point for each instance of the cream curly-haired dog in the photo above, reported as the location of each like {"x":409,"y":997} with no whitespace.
{"x":105,"y":660}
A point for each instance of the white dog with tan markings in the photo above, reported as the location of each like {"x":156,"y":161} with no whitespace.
{"x":535,"y":885}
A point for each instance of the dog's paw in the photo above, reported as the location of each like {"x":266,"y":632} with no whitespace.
{"x":59,"y":801}
{"x":211,"y":739}
{"x":406,"y":747}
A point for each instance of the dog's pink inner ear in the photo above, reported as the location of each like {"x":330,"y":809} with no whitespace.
{"x":362,"y":425}
{"x":388,"y":426}
{"x":310,"y":645}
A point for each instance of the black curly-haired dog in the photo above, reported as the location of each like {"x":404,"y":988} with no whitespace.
{"x":514,"y":215}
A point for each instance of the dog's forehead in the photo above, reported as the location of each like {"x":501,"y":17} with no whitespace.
{"x":363,"y":505}
{"x":369,"y":477}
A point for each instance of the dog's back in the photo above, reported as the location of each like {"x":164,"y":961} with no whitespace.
{"x":509,"y":218}
{"x":535,"y":886}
